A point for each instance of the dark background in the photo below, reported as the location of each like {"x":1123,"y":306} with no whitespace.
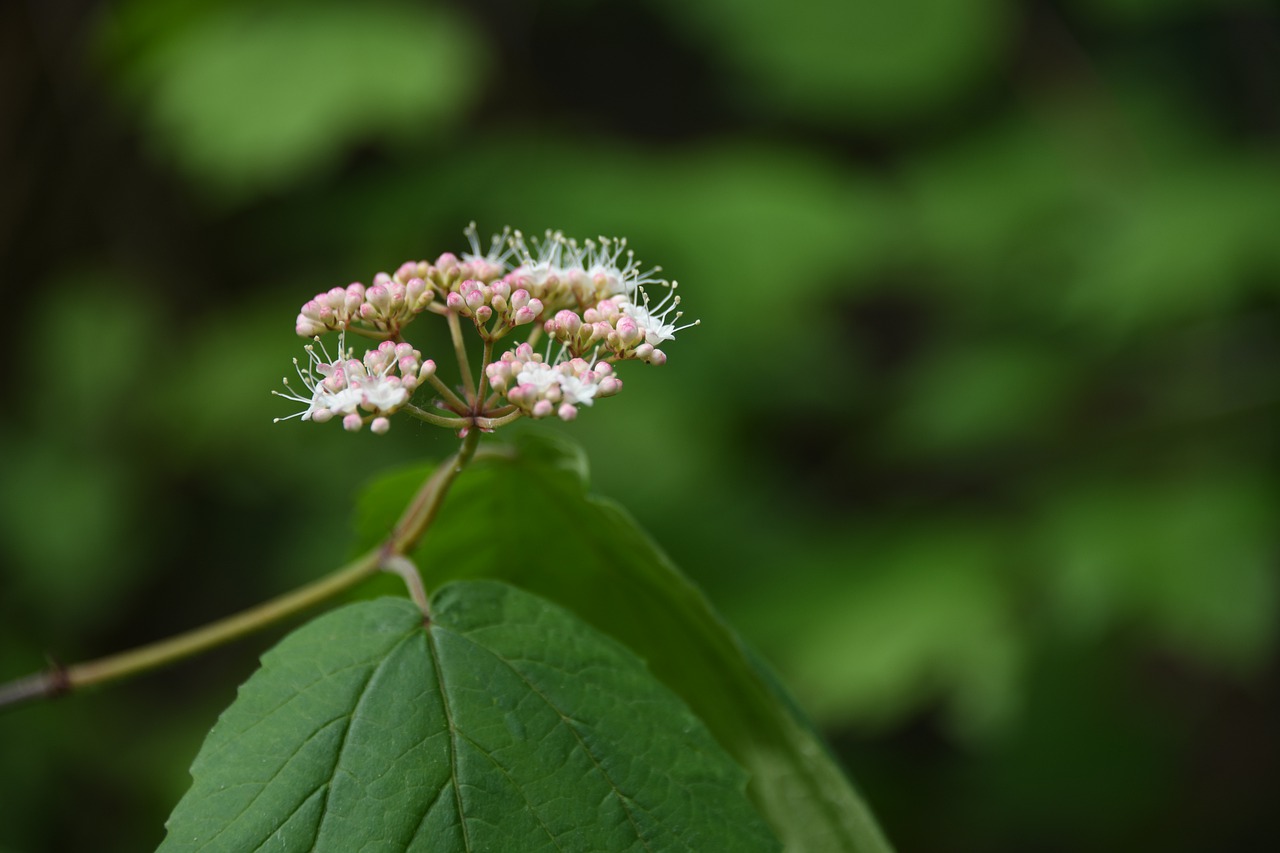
{"x":977,"y":441}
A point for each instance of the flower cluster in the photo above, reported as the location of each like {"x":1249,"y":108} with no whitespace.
{"x":564,"y":273}
{"x":592,"y":299}
{"x":626,"y":329}
{"x":384,"y":308}
{"x":345,"y":386}
{"x":539,"y":389}
{"x":480,"y":302}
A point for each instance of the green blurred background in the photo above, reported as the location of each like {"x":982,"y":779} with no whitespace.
{"x":977,"y":442}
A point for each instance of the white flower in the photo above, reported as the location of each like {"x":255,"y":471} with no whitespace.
{"x":381,"y":393}
{"x":344,"y":385}
{"x":580,"y":273}
{"x":576,"y":390}
{"x":327,"y":393}
{"x":541,"y":389}
{"x":652,"y":319}
{"x":493,"y":263}
{"x":539,"y":376}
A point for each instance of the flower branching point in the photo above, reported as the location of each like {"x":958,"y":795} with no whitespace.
{"x":593,"y":301}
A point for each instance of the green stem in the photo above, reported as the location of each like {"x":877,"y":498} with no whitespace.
{"x":460,"y":347}
{"x":485,"y":358}
{"x":437,"y":420}
{"x":373,"y":334}
{"x":408,"y":572}
{"x":447,"y":393}
{"x":415,"y":520}
{"x":224,"y":630}
{"x":417,"y":517}
{"x":493,"y":423}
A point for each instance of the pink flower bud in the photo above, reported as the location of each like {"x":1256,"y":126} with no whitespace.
{"x":543,"y":408}
{"x":567,"y":412}
{"x":379,"y":297}
{"x":380,"y":426}
{"x":307,"y":327}
{"x":521,"y":395}
{"x":352,"y":422}
{"x":417,"y":294}
{"x":567,"y":323}
{"x":629,"y":332}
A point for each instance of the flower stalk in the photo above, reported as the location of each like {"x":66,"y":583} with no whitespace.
{"x":389,"y":556}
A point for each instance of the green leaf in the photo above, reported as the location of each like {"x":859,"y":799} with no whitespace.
{"x":524,"y":517}
{"x":504,"y":723}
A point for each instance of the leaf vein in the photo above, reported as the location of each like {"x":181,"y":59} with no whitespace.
{"x":453,"y":739}
{"x":507,"y":775}
{"x":346,"y":734}
{"x":264,"y":785}
{"x":566,"y":721}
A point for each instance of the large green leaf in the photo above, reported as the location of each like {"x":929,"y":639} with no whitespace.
{"x":504,"y":723}
{"x":524,"y":517}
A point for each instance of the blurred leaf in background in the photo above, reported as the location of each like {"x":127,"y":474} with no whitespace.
{"x":852,"y":63}
{"x":251,"y":97}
